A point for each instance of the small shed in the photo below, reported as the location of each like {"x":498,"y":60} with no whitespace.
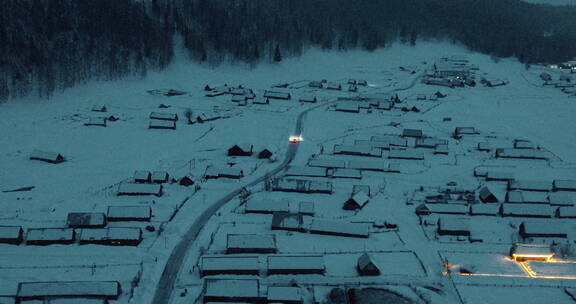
{"x":487,"y":196}
{"x":334,"y":86}
{"x":160,"y":177}
{"x":241,"y":149}
{"x":542,"y":229}
{"x":416,"y":133}
{"x":261,"y":101}
{"x":49,"y":157}
{"x":96,"y":121}
{"x":11,"y":235}
{"x":142,"y":176}
{"x":357,"y":201}
{"x":284,"y":294}
{"x":135,"y":189}
{"x":232,"y":290}
{"x":163,"y":116}
{"x":251,"y":243}
{"x":304,"y":264}
{"x":129,"y":213}
{"x":162,"y":124}
{"x":265,"y":153}
{"x":238,"y":265}
{"x":460,"y":131}
{"x":454,"y":226}
{"x":207,"y":116}
{"x":277,"y":95}
{"x":287,"y":221}
{"x":86,"y":220}
{"x":315,"y":84}
{"x":50,"y":236}
{"x":308,"y":98}
{"x":100,"y":108}
{"x":366,"y":266}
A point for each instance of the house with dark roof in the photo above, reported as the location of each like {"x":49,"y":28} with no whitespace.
{"x":486,"y":195}
{"x":366,"y":266}
{"x":357,"y":201}
{"x":241,"y":149}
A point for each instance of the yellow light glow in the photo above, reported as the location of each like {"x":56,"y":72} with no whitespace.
{"x":296,"y":138}
{"x":532,"y":257}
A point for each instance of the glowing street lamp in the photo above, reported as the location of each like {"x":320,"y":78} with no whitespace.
{"x":296,"y":138}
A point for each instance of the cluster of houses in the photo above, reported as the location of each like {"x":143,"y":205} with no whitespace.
{"x":565,"y":82}
{"x":147,"y":183}
{"x":352,"y":85}
{"x":99,"y":121}
{"x":524,"y":199}
{"x":84,"y":228}
{"x":453,"y":71}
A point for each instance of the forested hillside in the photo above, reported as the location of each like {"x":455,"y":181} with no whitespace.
{"x":49,"y":45}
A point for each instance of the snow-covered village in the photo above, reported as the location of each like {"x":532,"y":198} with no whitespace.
{"x":424,"y":173}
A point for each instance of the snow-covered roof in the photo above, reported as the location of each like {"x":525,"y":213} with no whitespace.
{"x":361,"y":188}
{"x":261,"y":100}
{"x":429,"y":142}
{"x":530,"y":185}
{"x":367,"y":164}
{"x":361,"y":198}
{"x":531,"y":249}
{"x":363,"y":150}
{"x":393,"y":140}
{"x":465,"y":131}
{"x":451,"y":224}
{"x":412,"y":133}
{"x":562,"y":198}
{"x":287,"y":221}
{"x":53,"y":289}
{"x":142,"y":175}
{"x":365,"y":260}
{"x":373,"y":144}
{"x":442,"y":209}
{"x":162,"y":124}
{"x":277,"y":95}
{"x":86,"y":219}
{"x":212,"y":171}
{"x":111,"y":234}
{"x":348,"y":106}
{"x":340,"y":227}
{"x":301,"y":185}
{"x":282,"y":294}
{"x":333,"y":86}
{"x":347,"y":173}
{"x":484,"y":209}
{"x":526,"y":210}
{"x":306,"y":171}
{"x":129,"y":212}
{"x":221,"y":288}
{"x":229,"y":263}
{"x":308,"y":98}
{"x":302,"y":262}
{"x":96,"y":121}
{"x":520,"y":153}
{"x":523,"y":144}
{"x":267,"y":206}
{"x":10,"y":232}
{"x":159,"y":176}
{"x":50,"y":234}
{"x":207,"y":116}
{"x":567,"y":212}
{"x":73,"y":301}
{"x":163,"y":116}
{"x":251,"y":241}
{"x":306,"y":208}
{"x":327,"y":163}
{"x":547,"y":228}
{"x":564,"y":185}
{"x":406,"y":154}
{"x":499,"y":175}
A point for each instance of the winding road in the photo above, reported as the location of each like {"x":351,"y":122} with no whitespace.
{"x":174,"y":264}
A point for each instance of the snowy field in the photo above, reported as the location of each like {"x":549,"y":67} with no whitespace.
{"x":405,"y":246}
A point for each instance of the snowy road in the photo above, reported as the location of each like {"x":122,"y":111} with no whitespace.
{"x":178,"y":256}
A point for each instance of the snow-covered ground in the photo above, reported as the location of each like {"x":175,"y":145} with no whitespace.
{"x":411,"y":256}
